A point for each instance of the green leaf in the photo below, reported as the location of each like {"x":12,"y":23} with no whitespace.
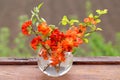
{"x":73,"y":21}
{"x":99,"y":29}
{"x":96,"y":16}
{"x":93,"y":27}
{"x":98,"y":11}
{"x":43,"y":20}
{"x":85,"y":40}
{"x":98,"y":20}
{"x":64,"y":21}
{"x":87,"y":34}
{"x":40,"y":5}
{"x":36,"y":9}
{"x":91,"y":15}
{"x":105,"y":11}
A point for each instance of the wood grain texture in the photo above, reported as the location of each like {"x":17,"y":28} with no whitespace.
{"x":84,"y":68}
{"x":77,"y":61}
{"x":78,"y":72}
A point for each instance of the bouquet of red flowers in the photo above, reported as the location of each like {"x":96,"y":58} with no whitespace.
{"x":54,"y":42}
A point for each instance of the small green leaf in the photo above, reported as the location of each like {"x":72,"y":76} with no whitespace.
{"x":105,"y":11}
{"x":73,"y":21}
{"x":40,"y":5}
{"x":98,"y":20}
{"x":43,"y":20}
{"x":98,"y":11}
{"x":85,"y":40}
{"x":93,"y":27}
{"x":64,"y":23}
{"x":91,"y":15}
{"x":96,"y":16}
{"x":87,"y":34}
{"x":99,"y":29}
{"x":64,"y":20}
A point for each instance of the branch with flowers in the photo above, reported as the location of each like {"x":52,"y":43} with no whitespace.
{"x":53,"y":42}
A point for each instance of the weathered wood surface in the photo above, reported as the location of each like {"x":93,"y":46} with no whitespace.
{"x":26,"y":69}
{"x":77,"y":61}
{"x":78,"y":72}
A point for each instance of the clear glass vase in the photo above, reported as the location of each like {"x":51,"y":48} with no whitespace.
{"x":51,"y":70}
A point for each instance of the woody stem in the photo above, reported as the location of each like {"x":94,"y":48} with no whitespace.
{"x":57,"y":67}
{"x":46,"y":67}
{"x":47,"y":50}
{"x":34,"y":31}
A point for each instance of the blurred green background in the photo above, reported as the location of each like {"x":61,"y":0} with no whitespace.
{"x":14,"y":44}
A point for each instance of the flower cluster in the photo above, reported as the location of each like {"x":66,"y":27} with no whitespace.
{"x":25,"y":27}
{"x":53,"y":42}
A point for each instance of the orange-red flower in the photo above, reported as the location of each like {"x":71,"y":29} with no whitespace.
{"x":82,"y":30}
{"x":56,"y":35}
{"x":68,"y":44}
{"x":90,"y":20}
{"x":44,"y":28}
{"x":55,"y":38}
{"x":43,"y":53}
{"x":86,"y":20}
{"x":48,"y":42}
{"x":25,"y":27}
{"x":54,"y":60}
{"x":78,"y":42}
{"x":35,"y":42}
{"x":57,"y":58}
{"x":61,"y":57}
{"x":72,"y":32}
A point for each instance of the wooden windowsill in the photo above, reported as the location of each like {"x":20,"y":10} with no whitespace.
{"x":84,"y":68}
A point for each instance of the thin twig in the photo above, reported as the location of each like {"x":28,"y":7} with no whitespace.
{"x":47,"y":50}
{"x":34,"y":30}
{"x":46,"y":67}
{"x":57,"y":68}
